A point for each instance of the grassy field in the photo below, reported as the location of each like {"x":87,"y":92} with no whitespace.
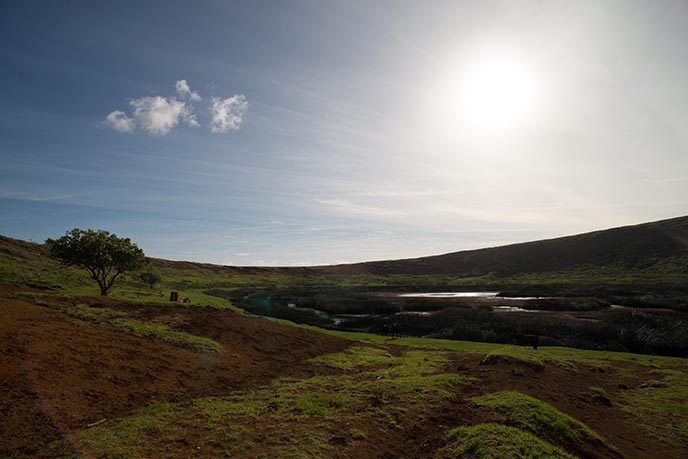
{"x":378,"y":397}
{"x":376,"y":389}
{"x":305,"y":411}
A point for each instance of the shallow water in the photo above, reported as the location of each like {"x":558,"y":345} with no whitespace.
{"x":512,"y":309}
{"x":487,"y":299}
{"x":450,"y":295}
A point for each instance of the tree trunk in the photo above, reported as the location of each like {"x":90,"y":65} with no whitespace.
{"x":103,"y":288}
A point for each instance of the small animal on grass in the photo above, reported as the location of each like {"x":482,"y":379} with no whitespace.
{"x":526,"y":340}
{"x":391,"y":330}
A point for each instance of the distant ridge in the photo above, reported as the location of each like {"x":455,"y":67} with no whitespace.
{"x":637,"y":246}
{"x":629,"y":247}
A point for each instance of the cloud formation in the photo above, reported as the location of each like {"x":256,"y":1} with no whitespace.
{"x":185,"y":91}
{"x":158,"y":115}
{"x":119,"y":121}
{"x":227,"y":113}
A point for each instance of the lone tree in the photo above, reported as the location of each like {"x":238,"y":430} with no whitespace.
{"x":105,"y":256}
{"x":149,"y":278}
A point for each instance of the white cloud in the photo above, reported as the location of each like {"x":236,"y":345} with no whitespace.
{"x":189,"y":117}
{"x":119,"y":121}
{"x":191,"y":120}
{"x":227,"y":113}
{"x":158,"y":115}
{"x":185,"y":91}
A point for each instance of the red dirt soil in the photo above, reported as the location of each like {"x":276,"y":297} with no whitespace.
{"x":58,"y":373}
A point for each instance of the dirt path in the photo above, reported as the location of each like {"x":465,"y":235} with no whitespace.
{"x":27,"y":429}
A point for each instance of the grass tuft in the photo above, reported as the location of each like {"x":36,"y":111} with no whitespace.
{"x":541,"y":419}
{"x":529,"y":357}
{"x":319,"y":403}
{"x":489,"y":441}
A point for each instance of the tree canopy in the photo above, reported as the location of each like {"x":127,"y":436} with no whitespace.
{"x":149,"y":278}
{"x":105,"y":256}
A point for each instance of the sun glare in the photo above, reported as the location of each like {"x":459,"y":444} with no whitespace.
{"x":491,"y":96}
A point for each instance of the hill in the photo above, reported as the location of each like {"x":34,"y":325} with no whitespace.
{"x":646,"y":257}
{"x":88,"y":377}
{"x":137,"y":376}
{"x":629,"y":247}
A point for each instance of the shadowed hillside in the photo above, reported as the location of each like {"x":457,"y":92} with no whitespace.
{"x":630,"y":247}
{"x":662,"y":244}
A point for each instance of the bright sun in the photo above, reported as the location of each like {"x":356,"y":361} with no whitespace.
{"x":491,"y":96}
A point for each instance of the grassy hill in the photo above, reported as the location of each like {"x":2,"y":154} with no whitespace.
{"x":136,"y":376}
{"x":650,"y":256}
{"x":102,"y":378}
{"x":662,"y":245}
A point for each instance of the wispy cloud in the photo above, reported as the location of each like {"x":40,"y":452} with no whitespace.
{"x":119,"y":121}
{"x":158,"y":115}
{"x":665,"y":180}
{"x":38,"y":198}
{"x":227,"y":114}
{"x":348,"y":207}
{"x":185,"y":92}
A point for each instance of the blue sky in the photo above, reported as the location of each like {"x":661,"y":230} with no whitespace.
{"x":358,"y":139}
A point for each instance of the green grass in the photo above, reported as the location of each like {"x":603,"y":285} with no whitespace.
{"x":511,"y":354}
{"x":565,"y":357}
{"x":661,"y":407}
{"x":130,"y":436}
{"x":602,"y":396}
{"x":354,"y":357}
{"x":432,"y":343}
{"x":159,"y":296}
{"x":530,"y":357}
{"x":28,"y":263}
{"x":540,"y":418}
{"x":490,"y":441}
{"x":319,"y":403}
{"x":121,"y":321}
{"x":413,"y":371}
{"x":599,"y":390}
{"x":292,"y":418}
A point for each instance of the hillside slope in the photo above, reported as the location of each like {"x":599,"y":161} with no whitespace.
{"x":137,"y":376}
{"x":80,"y":383}
{"x":651,"y":254}
{"x":637,"y":246}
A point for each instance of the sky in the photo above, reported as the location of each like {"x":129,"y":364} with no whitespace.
{"x":320,"y":132}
